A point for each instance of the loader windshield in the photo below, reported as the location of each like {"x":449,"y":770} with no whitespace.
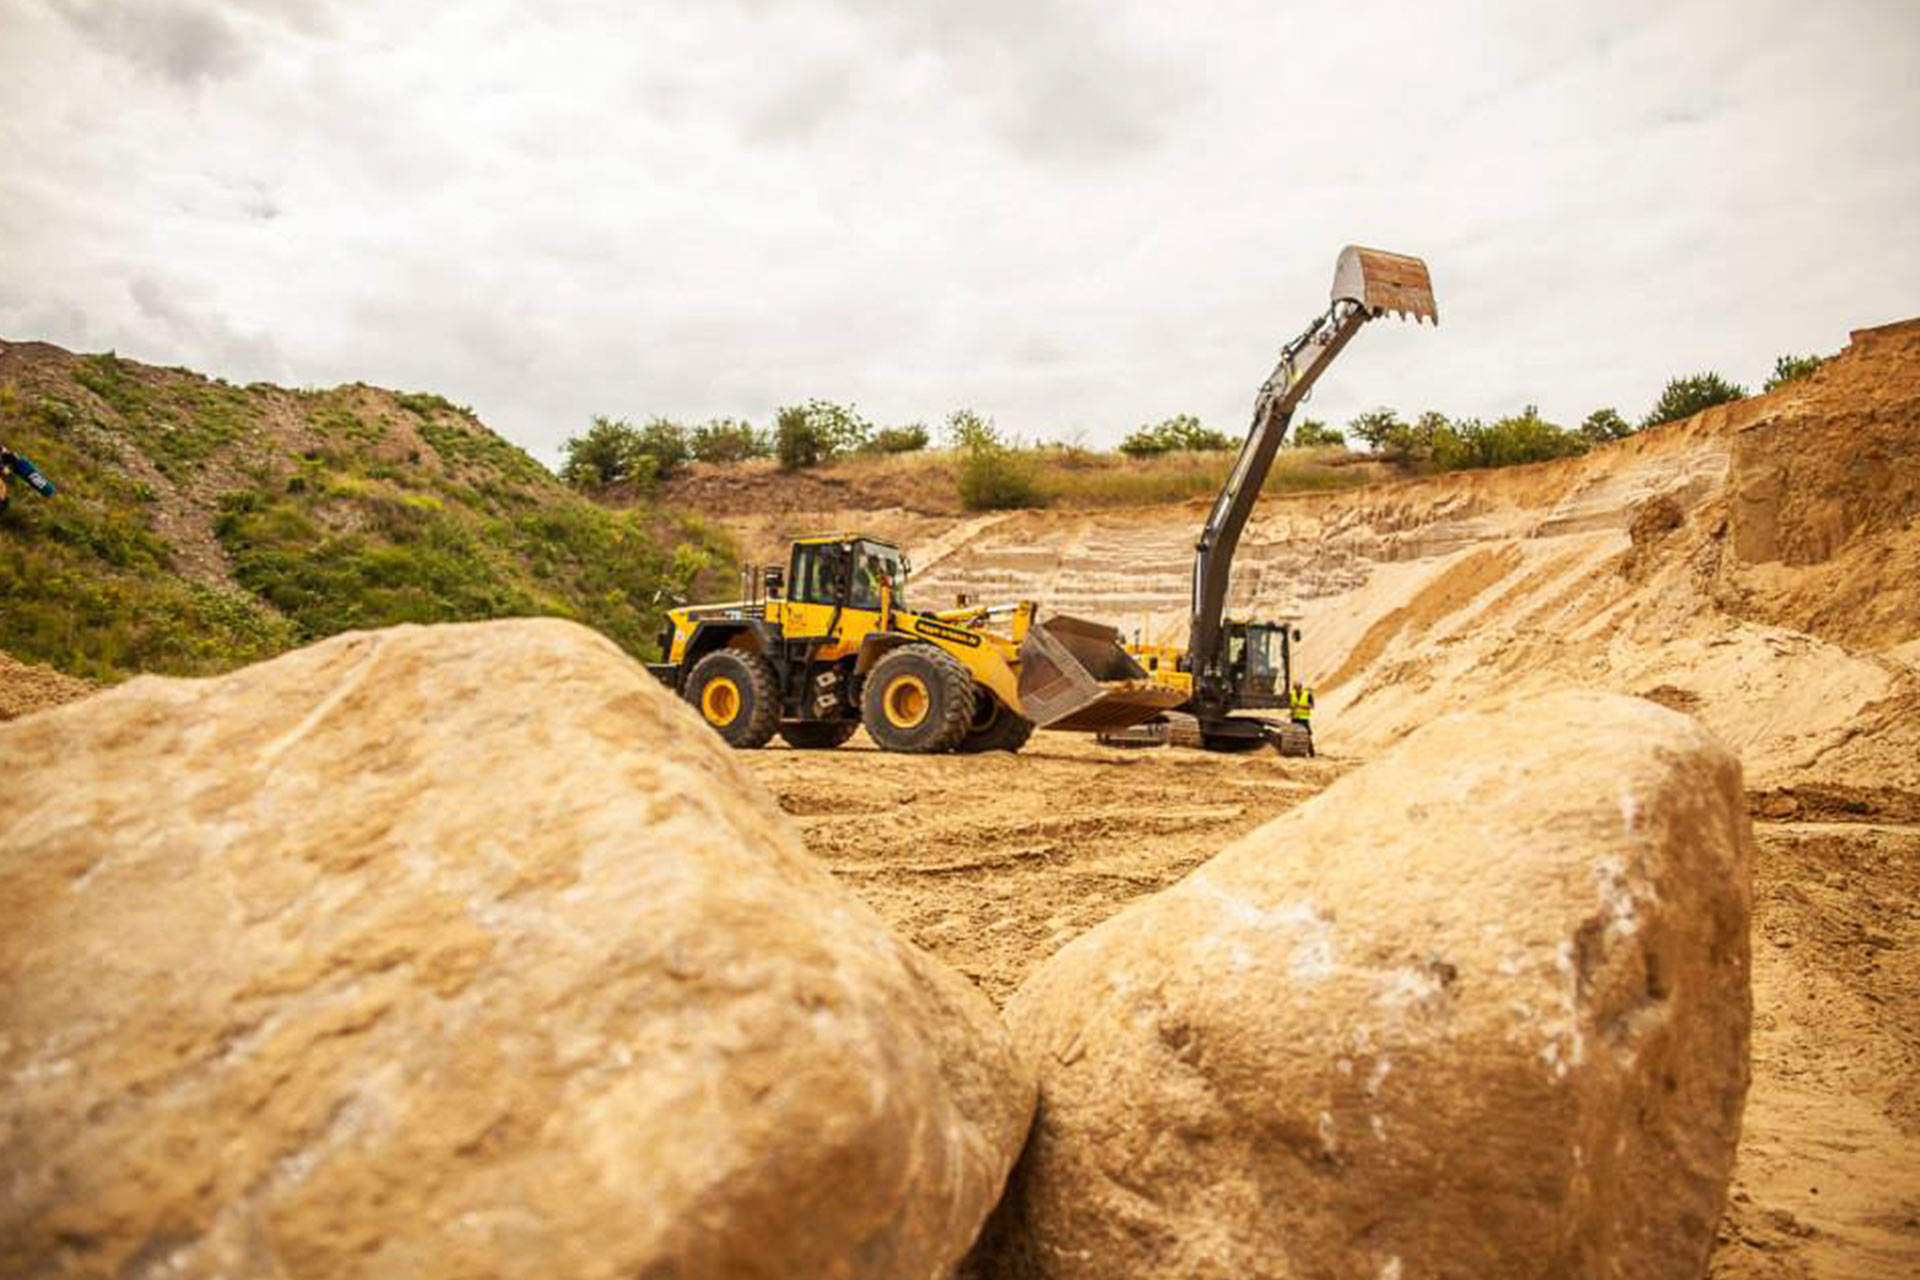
{"x":874,"y":561}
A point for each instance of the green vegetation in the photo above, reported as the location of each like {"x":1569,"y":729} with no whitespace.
{"x":1315,"y":434}
{"x":405,"y":556}
{"x":177,"y":422}
{"x":334,"y":510}
{"x":729,"y":440}
{"x":1603,"y":425}
{"x":614,"y":451}
{"x":1470,"y":444}
{"x":995,"y":474}
{"x":1687,"y":396}
{"x":1434,"y":442}
{"x":1181,"y":433}
{"x":426,"y":404}
{"x":817,"y":431}
{"x":1791,"y":369}
{"x":908,"y":439}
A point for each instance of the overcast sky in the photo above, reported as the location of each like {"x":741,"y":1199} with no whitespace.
{"x":1072,"y":217}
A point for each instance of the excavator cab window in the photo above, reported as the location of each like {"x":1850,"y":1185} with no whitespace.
{"x":1261,"y":663}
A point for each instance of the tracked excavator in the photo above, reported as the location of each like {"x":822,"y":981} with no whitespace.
{"x":1235,"y":665}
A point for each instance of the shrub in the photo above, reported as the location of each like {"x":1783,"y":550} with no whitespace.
{"x":665,"y":441}
{"x":1791,"y":369}
{"x":425,"y":404}
{"x":908,"y":439}
{"x":607,"y":453}
{"x":995,"y":475}
{"x":729,"y":440}
{"x":1376,"y":428}
{"x":1603,"y":425}
{"x":613,"y":450}
{"x":1314,"y":434}
{"x":1181,"y":432}
{"x":1685,"y":397}
{"x":1519,"y":438}
{"x":807,"y":435}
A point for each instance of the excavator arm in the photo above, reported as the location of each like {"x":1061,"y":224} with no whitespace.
{"x":1366,"y":283}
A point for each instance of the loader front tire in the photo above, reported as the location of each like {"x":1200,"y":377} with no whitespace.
{"x":917,"y":699}
{"x":817,"y":735}
{"x":994,"y":727}
{"x":736,"y":695}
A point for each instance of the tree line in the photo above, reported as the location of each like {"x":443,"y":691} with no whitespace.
{"x":615,"y":451}
{"x":994,"y":471}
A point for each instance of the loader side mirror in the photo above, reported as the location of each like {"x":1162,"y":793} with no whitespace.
{"x":775,"y":580}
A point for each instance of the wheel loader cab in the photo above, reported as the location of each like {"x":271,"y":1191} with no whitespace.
{"x":834,"y":588}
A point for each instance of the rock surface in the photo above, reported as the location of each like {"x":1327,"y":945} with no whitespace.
{"x":1478,"y":1010}
{"x":460,"y":951}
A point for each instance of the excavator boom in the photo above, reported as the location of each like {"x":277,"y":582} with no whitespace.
{"x":1366,"y":283}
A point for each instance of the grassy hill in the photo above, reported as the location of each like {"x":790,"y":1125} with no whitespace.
{"x":201,"y":525}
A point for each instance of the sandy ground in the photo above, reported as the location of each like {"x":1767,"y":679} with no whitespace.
{"x":994,"y":862}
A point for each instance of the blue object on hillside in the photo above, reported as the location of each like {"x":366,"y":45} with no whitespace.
{"x":32,"y":475}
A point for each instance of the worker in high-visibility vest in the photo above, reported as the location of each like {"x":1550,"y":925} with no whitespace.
{"x":1300,"y":704}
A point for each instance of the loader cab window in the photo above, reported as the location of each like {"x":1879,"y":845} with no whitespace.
{"x":873,"y":562}
{"x":834,"y":572}
{"x":819,"y":573}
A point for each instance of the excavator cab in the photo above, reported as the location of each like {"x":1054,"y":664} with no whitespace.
{"x":1259,"y":659}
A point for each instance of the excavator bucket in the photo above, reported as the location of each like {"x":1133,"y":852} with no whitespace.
{"x":1382,"y":281}
{"x":1075,"y":675}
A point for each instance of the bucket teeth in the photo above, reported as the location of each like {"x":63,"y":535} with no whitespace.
{"x":1382,"y":282}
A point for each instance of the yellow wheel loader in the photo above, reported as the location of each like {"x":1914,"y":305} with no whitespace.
{"x":830,"y":644}
{"x":1232,"y":665}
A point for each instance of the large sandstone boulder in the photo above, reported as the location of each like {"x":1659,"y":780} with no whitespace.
{"x":459,"y":951}
{"x":1478,"y":1010}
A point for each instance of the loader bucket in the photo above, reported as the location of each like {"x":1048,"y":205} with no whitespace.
{"x":1382,"y":281}
{"x":1075,"y":675}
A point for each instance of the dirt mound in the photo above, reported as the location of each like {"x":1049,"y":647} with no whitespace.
{"x":25,"y":688}
{"x":920,"y":483}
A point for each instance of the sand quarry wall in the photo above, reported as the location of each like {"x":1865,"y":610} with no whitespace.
{"x":1757,"y":565}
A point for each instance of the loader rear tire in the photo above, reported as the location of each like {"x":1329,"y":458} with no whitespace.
{"x":917,"y":699}
{"x":994,"y":727}
{"x":735,"y":693}
{"x":817,"y":735}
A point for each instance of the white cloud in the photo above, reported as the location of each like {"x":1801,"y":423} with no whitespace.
{"x":1072,"y":216}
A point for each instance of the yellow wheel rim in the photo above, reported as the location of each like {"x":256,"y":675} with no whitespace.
{"x":720,"y":700}
{"x":906,"y":702}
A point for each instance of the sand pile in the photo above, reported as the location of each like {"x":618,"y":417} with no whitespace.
{"x":26,"y":688}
